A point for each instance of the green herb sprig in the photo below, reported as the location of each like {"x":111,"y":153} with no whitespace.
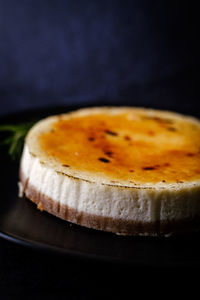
{"x":13,"y":138}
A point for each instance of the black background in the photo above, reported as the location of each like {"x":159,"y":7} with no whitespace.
{"x":142,"y":53}
{"x":127,"y":52}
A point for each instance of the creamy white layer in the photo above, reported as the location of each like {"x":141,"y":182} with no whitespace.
{"x":128,"y":203}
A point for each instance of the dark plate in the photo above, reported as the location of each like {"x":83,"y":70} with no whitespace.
{"x":21,"y":222}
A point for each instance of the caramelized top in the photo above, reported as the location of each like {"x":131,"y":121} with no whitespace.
{"x":135,"y":146}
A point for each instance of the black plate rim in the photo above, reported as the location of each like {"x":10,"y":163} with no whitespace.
{"x":58,"y":250}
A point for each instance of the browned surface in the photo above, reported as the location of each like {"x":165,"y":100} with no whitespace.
{"x":139,"y":149}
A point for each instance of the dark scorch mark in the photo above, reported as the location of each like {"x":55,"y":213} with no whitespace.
{"x":111,"y":132}
{"x":103,"y":159}
{"x":109,"y":153}
{"x":127,"y":138}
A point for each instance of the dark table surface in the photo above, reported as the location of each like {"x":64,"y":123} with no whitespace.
{"x":23,"y":270}
{"x":40,"y":275}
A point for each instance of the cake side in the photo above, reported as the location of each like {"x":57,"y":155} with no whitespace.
{"x":122,"y":210}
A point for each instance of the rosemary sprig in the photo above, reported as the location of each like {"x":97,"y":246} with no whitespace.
{"x":13,"y":138}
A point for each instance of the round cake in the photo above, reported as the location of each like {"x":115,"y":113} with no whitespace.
{"x":131,"y":171}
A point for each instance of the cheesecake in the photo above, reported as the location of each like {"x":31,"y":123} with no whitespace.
{"x":126,"y":170}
